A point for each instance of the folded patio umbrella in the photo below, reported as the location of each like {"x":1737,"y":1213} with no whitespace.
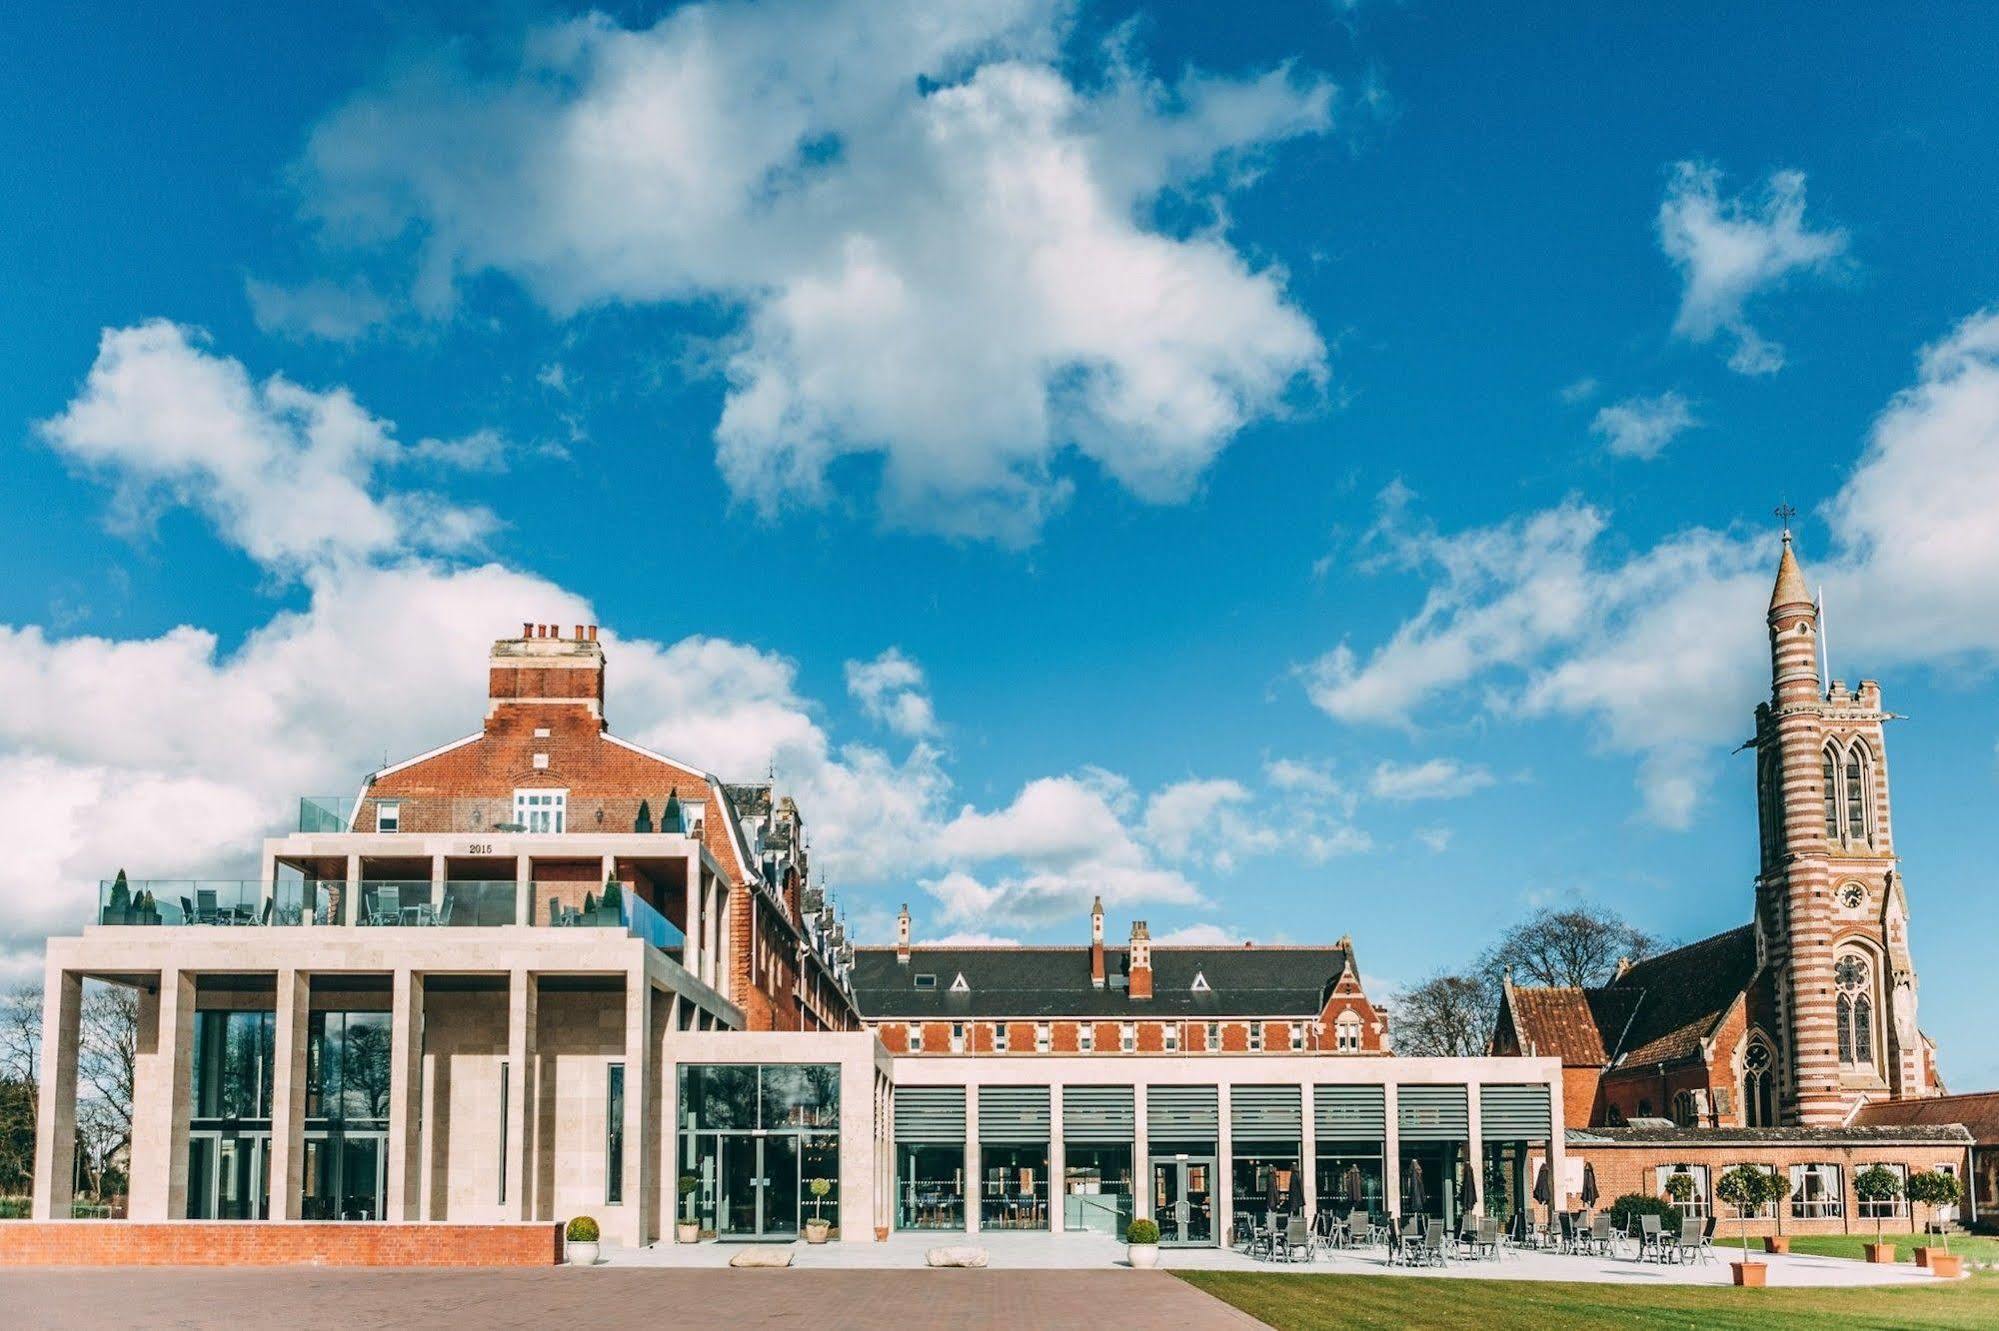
{"x":1413,"y":1196}
{"x":1589,"y":1193}
{"x":1298,"y":1191}
{"x":1356,"y":1186}
{"x":1467,"y":1188}
{"x":1543,"y":1190}
{"x":1273,"y":1197}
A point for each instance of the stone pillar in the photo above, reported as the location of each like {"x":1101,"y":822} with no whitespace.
{"x":1558,"y":1155}
{"x":291,"y":1034}
{"x":1308,"y":1147}
{"x":521,"y":1002}
{"x":1057,"y":1194}
{"x":405,"y":1092}
{"x":638,"y":1026}
{"x":1475,"y":1147}
{"x":974,"y":1185}
{"x":1391,"y":1152}
{"x":1141,"y":1156}
{"x":437,"y":873}
{"x":162,"y":1099}
{"x":712,"y":947}
{"x":669,"y":1116}
{"x":350,"y":898}
{"x":690,"y":952}
{"x":1224,"y":1188}
{"x":523,"y":889}
{"x":55,"y":1119}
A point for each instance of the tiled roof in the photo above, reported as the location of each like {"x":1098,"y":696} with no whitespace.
{"x":1557,"y":1023}
{"x":1978,"y":1112}
{"x":1857,"y":1136}
{"x":1055,"y":982}
{"x":1683,"y":995}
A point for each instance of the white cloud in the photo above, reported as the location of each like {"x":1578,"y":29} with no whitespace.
{"x":1641,"y":427}
{"x":1210,"y":821}
{"x":1438,"y":839}
{"x":285,"y":473}
{"x":1729,"y":250}
{"x":890,"y":690}
{"x":1199,"y":935}
{"x":482,"y":450}
{"x":320,"y":309}
{"x":1431,"y":779}
{"x":943,"y":251}
{"x":1580,"y":390}
{"x":1664,"y":650}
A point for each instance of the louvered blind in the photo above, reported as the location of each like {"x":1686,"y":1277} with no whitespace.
{"x":1513,"y":1113}
{"x":930,"y":1114}
{"x":1183,"y":1112}
{"x":1431,"y":1113}
{"x":1349,"y":1113}
{"x":1098,"y":1114}
{"x":1264,"y":1113}
{"x":1013,"y":1114}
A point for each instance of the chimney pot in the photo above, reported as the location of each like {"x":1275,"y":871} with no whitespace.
{"x":527,"y":629}
{"x":579,"y":633}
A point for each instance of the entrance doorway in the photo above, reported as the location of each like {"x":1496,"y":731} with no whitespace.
{"x":759,"y":1186}
{"x":1183,"y":1200}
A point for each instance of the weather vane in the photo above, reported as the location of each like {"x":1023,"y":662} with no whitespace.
{"x":1784,"y":513}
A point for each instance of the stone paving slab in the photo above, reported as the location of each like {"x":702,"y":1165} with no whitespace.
{"x":606,"y":1299}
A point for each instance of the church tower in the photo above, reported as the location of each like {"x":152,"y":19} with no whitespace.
{"x":1831,"y":913}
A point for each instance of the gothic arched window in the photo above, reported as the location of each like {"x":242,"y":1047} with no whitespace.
{"x":1759,"y":1086}
{"x":1684,"y":1111}
{"x":1829,"y":773}
{"x":1854,"y":1011}
{"x":1856,"y":795}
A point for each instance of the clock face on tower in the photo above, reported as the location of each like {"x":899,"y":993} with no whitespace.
{"x":1853,"y":896}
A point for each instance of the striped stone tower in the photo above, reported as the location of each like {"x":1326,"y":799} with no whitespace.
{"x":1832,"y":915}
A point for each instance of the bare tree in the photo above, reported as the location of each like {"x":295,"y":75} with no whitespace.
{"x":1445,"y":1016}
{"x":107,"y":1062}
{"x":20,"y":1085}
{"x":1579,"y":947}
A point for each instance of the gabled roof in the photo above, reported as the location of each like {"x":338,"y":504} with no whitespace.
{"x":1033,"y":982}
{"x":1557,"y":1023}
{"x":1682,"y":996}
{"x":1978,"y":1112}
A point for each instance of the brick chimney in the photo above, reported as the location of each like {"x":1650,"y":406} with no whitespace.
{"x":1097,"y":943}
{"x":1141,"y":960}
{"x":902,"y":936}
{"x":542,"y":668}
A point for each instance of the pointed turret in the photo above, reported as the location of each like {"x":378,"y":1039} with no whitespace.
{"x":1790,"y":588}
{"x":1794,"y":628}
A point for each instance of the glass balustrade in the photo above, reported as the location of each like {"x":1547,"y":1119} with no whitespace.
{"x":210,"y":901}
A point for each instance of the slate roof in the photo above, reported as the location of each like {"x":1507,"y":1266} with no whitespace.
{"x":1854,"y":1136}
{"x":1683,"y":996}
{"x":1032,"y":982}
{"x":1978,"y":1112}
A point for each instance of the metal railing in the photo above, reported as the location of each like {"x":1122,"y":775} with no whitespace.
{"x":163,"y":901}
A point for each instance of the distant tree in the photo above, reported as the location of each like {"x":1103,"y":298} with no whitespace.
{"x":1934,"y":1188}
{"x":20,"y":1085}
{"x":107,"y":1063}
{"x":1580,"y":947}
{"x":1446,"y":1015}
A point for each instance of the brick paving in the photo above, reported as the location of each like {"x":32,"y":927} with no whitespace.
{"x":608,"y":1298}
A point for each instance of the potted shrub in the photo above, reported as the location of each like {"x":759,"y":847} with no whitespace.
{"x":582,"y":1241}
{"x":1747,"y":1188}
{"x":688,"y":1230}
{"x":119,"y":909}
{"x":608,"y":909}
{"x":816,"y":1229}
{"x":1934,"y":1188}
{"x":1142,"y":1244}
{"x":1878,"y":1183}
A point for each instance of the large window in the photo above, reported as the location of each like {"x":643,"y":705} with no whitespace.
{"x":1697,"y":1204}
{"x":1815,"y":1192}
{"x":1759,"y":1086}
{"x":1097,"y":1188}
{"x":753,"y":1137}
{"x":541,"y":810}
{"x":1764,"y":1210}
{"x":1854,"y":1011}
{"x":614,"y":1134}
{"x":1263,"y":1171}
{"x":1338,"y":1163}
{"x":1888,"y":1208}
{"x":1829,"y":775}
{"x":347,"y":1062}
{"x":930,"y":1186}
{"x":229,"y":1135}
{"x":1014,"y":1187}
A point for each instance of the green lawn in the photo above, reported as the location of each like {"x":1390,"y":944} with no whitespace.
{"x":1971,"y":1247}
{"x":1339,"y":1303}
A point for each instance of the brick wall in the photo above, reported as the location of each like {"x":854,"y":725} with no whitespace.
{"x":262,"y":1243}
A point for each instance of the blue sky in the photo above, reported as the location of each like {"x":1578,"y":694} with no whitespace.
{"x":1298,"y":475}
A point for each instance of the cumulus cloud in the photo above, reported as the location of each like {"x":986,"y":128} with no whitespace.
{"x":1664,"y":649}
{"x":330,"y":311}
{"x":1641,"y":427}
{"x":890,"y":690}
{"x":1730,"y":249}
{"x":1431,"y":779}
{"x":286,"y":473}
{"x":939,"y":250}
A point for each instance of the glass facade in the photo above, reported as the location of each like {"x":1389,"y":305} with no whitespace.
{"x":930,"y":1186}
{"x":1097,"y":1188}
{"x":1261,"y":1169}
{"x":346,"y":1116}
{"x":753,"y":1136}
{"x":1014,"y":1187}
{"x":1439,"y":1163}
{"x":229,"y":1130}
{"x":1337,"y":1160}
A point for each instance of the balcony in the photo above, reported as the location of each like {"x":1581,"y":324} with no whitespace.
{"x":484,"y":903}
{"x":206,"y":901}
{"x":325,"y":813}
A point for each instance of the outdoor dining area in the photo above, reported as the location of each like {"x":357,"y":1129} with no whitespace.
{"x":1286,"y":1233}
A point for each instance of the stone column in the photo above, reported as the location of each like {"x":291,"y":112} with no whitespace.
{"x":523,"y":889}
{"x":1224,"y":1185}
{"x":1141,"y":1156}
{"x":690,"y":952}
{"x":162,"y":1099}
{"x":638,"y":1025}
{"x":288,"y":1093}
{"x":1475,"y":1146}
{"x":350,"y":899}
{"x":974,"y":1187}
{"x":1391,"y":1152}
{"x":1308,"y":1146}
{"x":712,"y":947}
{"x":1057,"y":1194}
{"x":669,"y":1117}
{"x":1558,"y":1153}
{"x":521,"y":1002}
{"x":55,"y":1120}
{"x":437,"y":873}
{"x":405,"y":1092}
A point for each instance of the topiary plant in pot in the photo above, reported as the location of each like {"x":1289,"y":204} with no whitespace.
{"x":1878,"y":1183}
{"x":1142,"y":1244}
{"x":688,"y":1229}
{"x":581,"y":1239}
{"x":817,"y":1229}
{"x":1747,"y":1188}
{"x":1934,"y":1188}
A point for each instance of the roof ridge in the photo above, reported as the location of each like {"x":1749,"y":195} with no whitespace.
{"x":1658,"y":957}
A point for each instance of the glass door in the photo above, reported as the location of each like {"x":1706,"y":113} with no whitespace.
{"x":1183,"y":1202}
{"x":779,"y":1217}
{"x":737,"y":1206}
{"x":759,"y":1186}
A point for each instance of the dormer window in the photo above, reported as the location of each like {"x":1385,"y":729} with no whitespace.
{"x":926,"y":981}
{"x":958,"y":986}
{"x":1200,"y":985}
{"x":1346,"y":1034}
{"x":388,"y":816}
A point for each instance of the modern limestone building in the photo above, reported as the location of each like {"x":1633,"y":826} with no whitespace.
{"x":541,"y":971}
{"x":1785,"y":1041}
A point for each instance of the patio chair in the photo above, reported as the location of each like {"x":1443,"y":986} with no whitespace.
{"x":204,"y":905}
{"x":1650,"y":1249}
{"x":1243,"y":1233}
{"x":1602,"y":1236}
{"x":1296,"y":1240}
{"x":1485,"y":1243}
{"x":1690,"y":1245}
{"x":1566,"y":1242}
{"x":1707,"y":1239}
{"x":186,"y":911}
{"x":1432,"y":1247}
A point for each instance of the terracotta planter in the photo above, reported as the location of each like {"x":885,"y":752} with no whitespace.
{"x":816,"y":1231}
{"x":1881,"y":1252}
{"x":881,"y":1233}
{"x":1776,"y":1243}
{"x":1946,"y":1265}
{"x":1750,"y":1275}
{"x":1923,"y":1257}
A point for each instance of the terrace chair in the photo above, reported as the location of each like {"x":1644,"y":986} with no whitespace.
{"x":1691,"y":1244}
{"x":1244,"y":1234}
{"x":1567,"y":1242}
{"x":1602,"y":1236}
{"x":1295,"y":1240}
{"x":186,"y":911}
{"x":1485,"y":1242}
{"x":1707,"y":1239}
{"x":1650,"y":1247}
{"x":1432,"y":1248}
{"x":204,"y":905}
